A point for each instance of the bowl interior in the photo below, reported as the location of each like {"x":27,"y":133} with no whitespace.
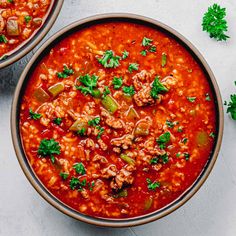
{"x":20,"y":91}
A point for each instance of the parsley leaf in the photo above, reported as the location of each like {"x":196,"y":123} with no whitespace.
{"x":94,"y":121}
{"x":33,"y":115}
{"x":208,"y":98}
{"x":170,"y":124}
{"x":184,"y":140}
{"x":153,"y":48}
{"x":152,"y":185}
{"x":191,"y":99}
{"x":49,"y":147}
{"x":157,"y":88}
{"x":143,"y":53}
{"x":129,"y":90}
{"x":82,"y":131}
{"x":79,"y":168}
{"x":101,"y":131}
{"x":65,"y":73}
{"x":132,"y":67}
{"x":90,"y":83}
{"x":146,"y":42}
{"x":186,"y":156}
{"x":214,"y":22}
{"x":212,"y":135}
{"x":106,"y":91}
{"x":28,"y":19}
{"x":75,"y":183}
{"x":163,"y":140}
{"x":125,"y":54}
{"x":109,"y":60}
{"x":3,"y":39}
{"x":154,"y":160}
{"x":64,"y":175}
{"x":117,"y":82}
{"x":232,"y":106}
{"x":57,"y":121}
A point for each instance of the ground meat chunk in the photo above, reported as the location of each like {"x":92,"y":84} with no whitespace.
{"x":125,"y":142}
{"x":143,"y":97}
{"x":84,"y":193}
{"x":123,"y":177}
{"x":112,"y":121}
{"x":169,"y":81}
{"x":109,"y":171}
{"x":100,"y":159}
{"x":142,"y":77}
{"x":102,"y":145}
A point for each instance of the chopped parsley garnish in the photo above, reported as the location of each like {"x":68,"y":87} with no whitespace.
{"x":79,"y":168}
{"x":153,"y":48}
{"x":28,"y":19}
{"x":214,"y":22}
{"x":186,"y":156}
{"x":101,"y":131}
{"x":146,"y":42}
{"x":65,"y":73}
{"x":178,"y":154}
{"x":57,"y":121}
{"x":10,"y":1}
{"x":170,"y":124}
{"x":184,"y":140}
{"x":212,"y":135}
{"x":164,"y":158}
{"x":157,"y":88}
{"x":180,"y":129}
{"x":75,"y":183}
{"x":160,"y":159}
{"x":106,"y":91}
{"x":91,"y":185}
{"x":34,"y":115}
{"x":152,"y":185}
{"x":49,"y":147}
{"x":81,"y":132}
{"x":132,"y":67}
{"x":125,"y":54}
{"x":64,"y":175}
{"x":163,"y":140}
{"x":154,"y":160}
{"x":129,"y":90}
{"x":191,"y":99}
{"x":143,"y":53}
{"x":90,"y":83}
{"x":163,"y":59}
{"x":109,"y":60}
{"x":117,"y":82}
{"x":94,"y":121}
{"x":208,"y":98}
{"x":232,"y":106}
{"x":3,"y":39}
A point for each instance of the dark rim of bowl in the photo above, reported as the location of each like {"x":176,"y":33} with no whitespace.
{"x":37,"y":36}
{"x":32,"y":177}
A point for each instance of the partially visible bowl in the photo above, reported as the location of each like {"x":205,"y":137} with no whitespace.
{"x":35,"y":38}
{"x":29,"y":172}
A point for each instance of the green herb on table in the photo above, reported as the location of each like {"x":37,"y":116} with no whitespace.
{"x":34,"y":115}
{"x":28,"y":19}
{"x":117,"y":82}
{"x":109,"y":60}
{"x":57,"y":121}
{"x":157,"y":88}
{"x":65,"y":73}
{"x":163,"y":140}
{"x":214,"y":22}
{"x":231,"y":106}
{"x":90,"y":84}
{"x":132,"y":67}
{"x":129,"y":90}
{"x":64,"y":175}
{"x":3,"y":39}
{"x":49,"y":147}
{"x":152,"y":185}
{"x":79,"y":168}
{"x":163,"y":59}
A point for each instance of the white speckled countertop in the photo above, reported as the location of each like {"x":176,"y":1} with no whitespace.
{"x":211,"y":212}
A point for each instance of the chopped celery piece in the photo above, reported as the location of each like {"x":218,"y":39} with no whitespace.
{"x":41,"y":95}
{"x":202,"y":138}
{"x":132,"y":114}
{"x":148,"y":203}
{"x":110,"y":104}
{"x":79,"y":124}
{"x":56,"y":89}
{"x":142,"y":129}
{"x":127,"y":159}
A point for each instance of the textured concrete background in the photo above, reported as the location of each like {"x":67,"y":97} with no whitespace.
{"x":212,"y":211}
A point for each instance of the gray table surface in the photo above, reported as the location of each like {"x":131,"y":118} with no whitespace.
{"x":212,"y":211}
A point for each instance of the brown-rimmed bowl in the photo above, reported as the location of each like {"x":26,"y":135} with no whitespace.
{"x":41,"y":189}
{"x":35,"y":38}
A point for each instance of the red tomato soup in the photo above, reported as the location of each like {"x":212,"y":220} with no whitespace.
{"x":19,"y":20}
{"x":118,"y":120}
